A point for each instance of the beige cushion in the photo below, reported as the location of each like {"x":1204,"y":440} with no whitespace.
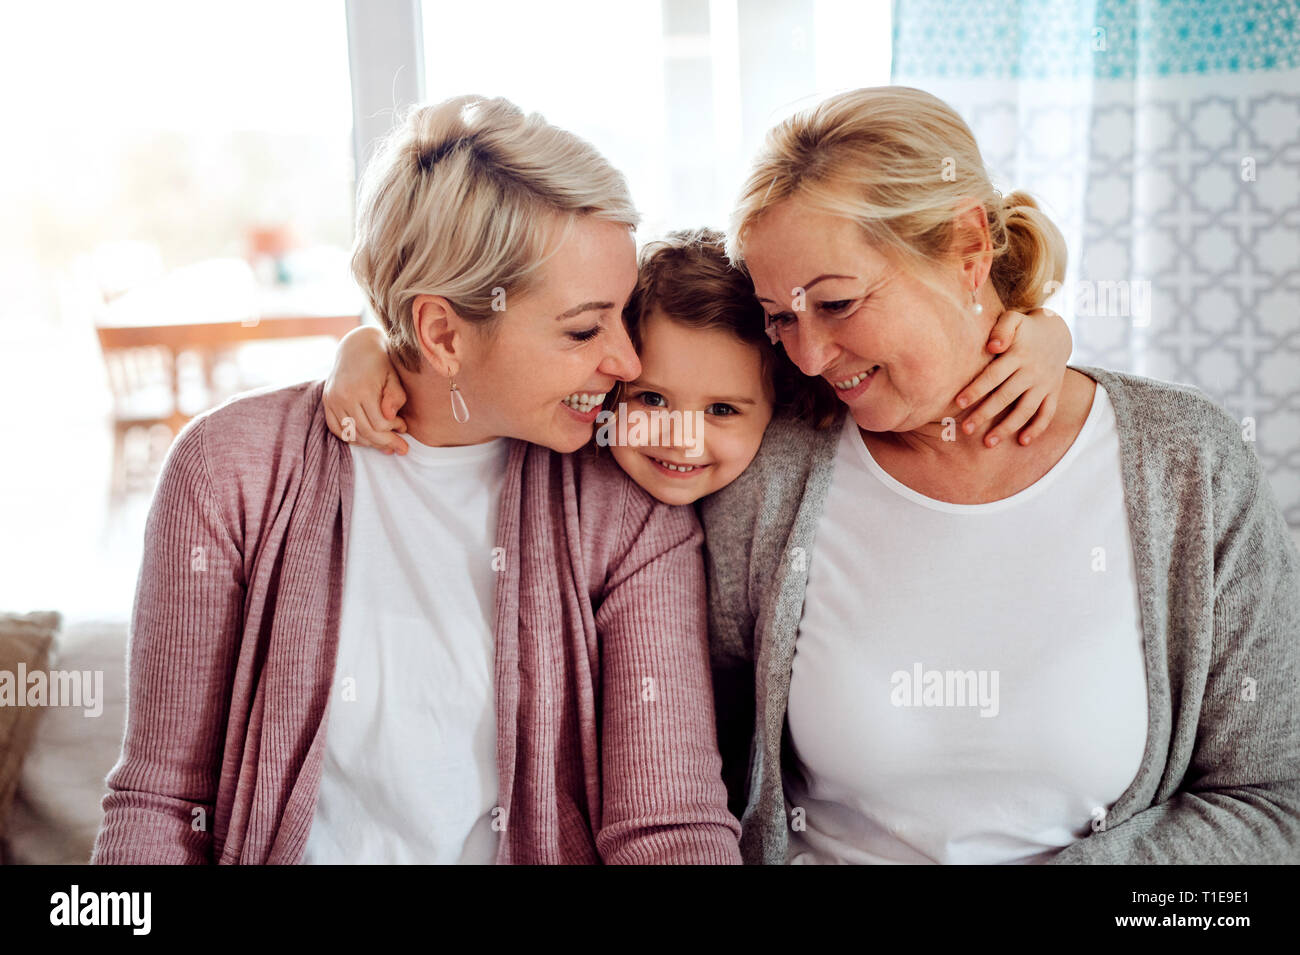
{"x":57,"y":809}
{"x":26,"y":640}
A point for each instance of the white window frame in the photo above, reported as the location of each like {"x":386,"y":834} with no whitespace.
{"x":386,"y":60}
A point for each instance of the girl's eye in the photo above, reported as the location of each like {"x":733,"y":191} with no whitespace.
{"x":722,"y":410}
{"x":585,"y":336}
{"x":652,"y":398}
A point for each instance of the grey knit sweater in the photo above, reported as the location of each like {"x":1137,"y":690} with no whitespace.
{"x":1219,"y":590}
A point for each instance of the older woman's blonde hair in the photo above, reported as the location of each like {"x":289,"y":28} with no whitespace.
{"x":463,"y":200}
{"x":900,"y":162}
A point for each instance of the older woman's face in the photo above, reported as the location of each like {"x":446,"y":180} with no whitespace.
{"x":895,"y":350}
{"x":541,"y":374}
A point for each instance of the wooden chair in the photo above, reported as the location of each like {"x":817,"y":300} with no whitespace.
{"x":144,"y":382}
{"x":143,"y":364}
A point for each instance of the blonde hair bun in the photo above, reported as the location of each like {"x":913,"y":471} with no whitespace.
{"x":1034,"y":255}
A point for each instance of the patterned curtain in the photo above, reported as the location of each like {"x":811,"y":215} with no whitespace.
{"x":1164,"y":139}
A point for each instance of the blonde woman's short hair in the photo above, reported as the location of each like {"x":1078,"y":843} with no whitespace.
{"x":899,"y":162}
{"x":463,"y":199}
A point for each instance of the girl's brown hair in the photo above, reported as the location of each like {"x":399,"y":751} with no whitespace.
{"x":687,"y":277}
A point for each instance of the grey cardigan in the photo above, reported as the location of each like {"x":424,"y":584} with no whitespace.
{"x":1219,"y":590}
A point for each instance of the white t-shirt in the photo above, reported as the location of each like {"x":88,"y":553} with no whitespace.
{"x":968,"y":684}
{"x":410,"y":770}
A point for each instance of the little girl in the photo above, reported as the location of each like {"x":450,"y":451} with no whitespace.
{"x":699,"y":332}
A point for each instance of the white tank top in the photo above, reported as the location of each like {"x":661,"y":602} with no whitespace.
{"x":410,"y":771}
{"x":968,"y":683}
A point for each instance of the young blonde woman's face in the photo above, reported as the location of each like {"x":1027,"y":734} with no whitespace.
{"x":860,"y":312}
{"x":696,"y":370}
{"x":560,"y":346}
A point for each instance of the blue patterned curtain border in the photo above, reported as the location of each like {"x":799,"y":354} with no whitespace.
{"x":1105,"y":39}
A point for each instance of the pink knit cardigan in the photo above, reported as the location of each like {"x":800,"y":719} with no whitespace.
{"x":606,"y":749}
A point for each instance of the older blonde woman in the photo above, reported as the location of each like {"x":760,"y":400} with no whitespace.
{"x":880,"y":698}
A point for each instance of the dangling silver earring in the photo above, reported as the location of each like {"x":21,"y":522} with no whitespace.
{"x":975,"y":306}
{"x":459,"y":410}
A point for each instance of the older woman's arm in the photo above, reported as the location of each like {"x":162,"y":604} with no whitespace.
{"x":664,"y":801}
{"x":181,"y":658}
{"x":1239,"y":801}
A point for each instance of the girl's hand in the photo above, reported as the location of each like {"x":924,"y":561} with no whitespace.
{"x":1029,"y":371}
{"x":363,"y":393}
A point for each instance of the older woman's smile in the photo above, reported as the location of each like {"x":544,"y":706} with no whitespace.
{"x":851,"y":387}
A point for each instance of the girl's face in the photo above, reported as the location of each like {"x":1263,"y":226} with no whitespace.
{"x":696,"y":370}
